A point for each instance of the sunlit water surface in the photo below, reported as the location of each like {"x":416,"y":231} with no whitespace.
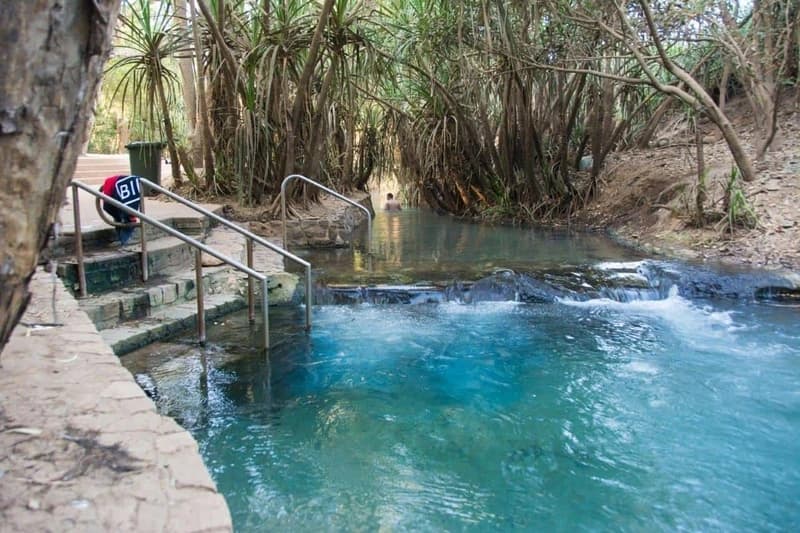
{"x":597,"y":415}
{"x":419,"y":245}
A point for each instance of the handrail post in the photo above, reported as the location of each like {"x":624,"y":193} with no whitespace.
{"x":283,"y":213}
{"x":308,"y":298}
{"x":201,"y":312}
{"x":76,"y":217}
{"x":251,"y":303}
{"x":143,"y":239}
{"x":265,"y":310}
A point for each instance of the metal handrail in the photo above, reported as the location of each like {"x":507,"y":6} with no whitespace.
{"x":200,"y":247}
{"x":329,"y":191}
{"x":251,"y":237}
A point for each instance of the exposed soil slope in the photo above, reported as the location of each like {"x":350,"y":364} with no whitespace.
{"x":647,"y":196}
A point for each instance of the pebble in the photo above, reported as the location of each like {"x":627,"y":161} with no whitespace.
{"x":80,"y":504}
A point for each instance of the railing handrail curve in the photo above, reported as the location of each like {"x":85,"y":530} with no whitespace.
{"x":290,"y":177}
{"x":172,"y":231}
{"x":183,"y":237}
{"x":247,"y":233}
{"x":222,"y":220}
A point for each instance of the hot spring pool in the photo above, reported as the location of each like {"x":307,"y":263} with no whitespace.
{"x":595,"y":415}
{"x":606,"y":402}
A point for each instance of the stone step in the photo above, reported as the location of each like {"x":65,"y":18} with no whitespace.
{"x":130,"y":319}
{"x":104,"y":237}
{"x":168,"y":321}
{"x":100,"y":172}
{"x":110,"y":164}
{"x":116,"y":268}
{"x":109,"y":309}
{"x":107,"y":165}
{"x":95,"y":168}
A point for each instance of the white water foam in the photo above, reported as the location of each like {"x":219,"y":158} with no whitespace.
{"x":479,"y":308}
{"x":631,"y":276}
{"x":681,"y":314}
{"x":616,"y":265}
{"x":641,"y":367}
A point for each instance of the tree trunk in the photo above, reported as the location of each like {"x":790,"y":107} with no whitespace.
{"x":696,"y":95}
{"x":318,"y":132}
{"x":731,"y":138}
{"x":207,"y":140}
{"x":174,"y":160}
{"x":700,"y":197}
{"x":188,"y":84}
{"x":723,"y":86}
{"x":303,"y":86}
{"x":53,"y":60}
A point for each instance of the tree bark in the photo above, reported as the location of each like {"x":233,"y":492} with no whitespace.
{"x":700,"y":197}
{"x":303,"y":87}
{"x":207,"y":140}
{"x":188,"y":83}
{"x":53,"y":60}
{"x":174,"y":158}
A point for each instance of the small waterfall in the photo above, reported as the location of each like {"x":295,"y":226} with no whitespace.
{"x":631,"y":294}
{"x":639,"y":281}
{"x":630,"y":282}
{"x":379,"y":294}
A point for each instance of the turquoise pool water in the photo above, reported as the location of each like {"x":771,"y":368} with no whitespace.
{"x":649,"y":416}
{"x":661,"y":413}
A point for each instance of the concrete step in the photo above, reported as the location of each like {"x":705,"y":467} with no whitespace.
{"x":135,"y":317}
{"x":109,"y":309}
{"x":93,"y":169}
{"x":120,"y":267}
{"x":168,"y":321}
{"x":110,"y":164}
{"x":104,"y":237}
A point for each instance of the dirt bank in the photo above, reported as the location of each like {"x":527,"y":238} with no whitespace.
{"x":647,"y":196}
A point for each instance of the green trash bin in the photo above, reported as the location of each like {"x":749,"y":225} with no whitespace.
{"x":145,"y":158}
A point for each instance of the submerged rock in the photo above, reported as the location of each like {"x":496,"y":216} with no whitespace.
{"x":699,"y":282}
{"x":507,"y":285}
{"x":653,"y":280}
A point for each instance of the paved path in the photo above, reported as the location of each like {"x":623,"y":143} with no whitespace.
{"x":81,"y":446}
{"x":92,"y":170}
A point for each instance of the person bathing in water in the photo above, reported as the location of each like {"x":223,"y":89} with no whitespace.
{"x":391,"y":204}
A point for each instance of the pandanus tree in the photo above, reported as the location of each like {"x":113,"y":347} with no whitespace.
{"x":491,"y":131}
{"x":488,"y":105}
{"x":289,"y":82}
{"x":146,"y":39}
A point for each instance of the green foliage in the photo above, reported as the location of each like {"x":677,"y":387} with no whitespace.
{"x":738,"y":210}
{"x":480,"y":106}
{"x":103,"y":139}
{"x":146,"y":39}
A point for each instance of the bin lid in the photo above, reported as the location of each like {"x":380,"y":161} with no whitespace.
{"x":146,"y":144}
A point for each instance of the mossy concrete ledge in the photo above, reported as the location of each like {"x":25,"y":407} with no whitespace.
{"x":334,"y":229}
{"x":86,"y":450}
